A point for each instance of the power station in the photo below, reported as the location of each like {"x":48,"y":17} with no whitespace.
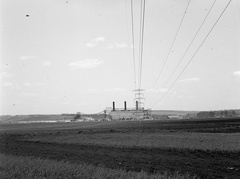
{"x":137,"y":113}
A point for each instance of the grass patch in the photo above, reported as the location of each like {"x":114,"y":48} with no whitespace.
{"x":121,"y":149}
{"x":31,"y":167}
{"x":179,"y":140}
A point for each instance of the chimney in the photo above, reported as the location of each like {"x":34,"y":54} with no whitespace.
{"x":113,"y":106}
{"x":125,"y":105}
{"x":136,"y":105}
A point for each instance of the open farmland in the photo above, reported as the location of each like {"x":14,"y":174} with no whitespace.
{"x":206,"y":148}
{"x":178,"y":140}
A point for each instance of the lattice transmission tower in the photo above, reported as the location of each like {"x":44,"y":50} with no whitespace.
{"x":139,"y":99}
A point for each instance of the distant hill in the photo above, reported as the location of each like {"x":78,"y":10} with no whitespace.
{"x":172,"y":112}
{"x":10,"y":119}
{"x":47,"y":118}
{"x":28,"y":118}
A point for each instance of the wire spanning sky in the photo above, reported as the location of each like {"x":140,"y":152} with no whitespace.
{"x":67,"y":56}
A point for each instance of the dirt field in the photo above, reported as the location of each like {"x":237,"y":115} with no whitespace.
{"x":207,"y":148}
{"x":177,"y":140}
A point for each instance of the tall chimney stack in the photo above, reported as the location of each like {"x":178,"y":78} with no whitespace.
{"x":113,"y":106}
{"x":125,"y":105}
{"x":136,"y":105}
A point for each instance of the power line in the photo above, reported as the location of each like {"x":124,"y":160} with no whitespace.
{"x":129,"y":34}
{"x":195,"y":52}
{"x":173,"y":42}
{"x":141,"y":35}
{"x":189,"y":44}
{"x":140,"y":38}
{"x":134,"y":66}
{"x":143,"y":20}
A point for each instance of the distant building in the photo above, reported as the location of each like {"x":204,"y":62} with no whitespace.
{"x":175,"y":117}
{"x":130,"y":115}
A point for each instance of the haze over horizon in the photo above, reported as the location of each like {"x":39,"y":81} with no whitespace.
{"x":68,"y":56}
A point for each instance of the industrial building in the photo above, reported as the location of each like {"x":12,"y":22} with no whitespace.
{"x":137,"y":113}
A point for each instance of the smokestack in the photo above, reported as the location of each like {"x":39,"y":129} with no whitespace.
{"x":125,"y":105}
{"x":136,"y":105}
{"x":113,"y":106}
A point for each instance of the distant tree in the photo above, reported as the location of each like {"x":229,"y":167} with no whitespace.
{"x":78,"y":116}
{"x":211,"y":114}
{"x":225,"y":113}
{"x":105,"y":114}
{"x":233,"y":113}
{"x":200,"y":115}
{"x":203,"y":114}
{"x":222,"y":114}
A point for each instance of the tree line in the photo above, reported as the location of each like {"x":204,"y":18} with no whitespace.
{"x":222,"y":113}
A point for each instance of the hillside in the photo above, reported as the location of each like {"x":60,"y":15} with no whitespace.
{"x":172,"y":112}
{"x":59,"y":118}
{"x":28,"y":118}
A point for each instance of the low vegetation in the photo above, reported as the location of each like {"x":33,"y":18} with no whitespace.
{"x":206,"y":148}
{"x":31,"y":167}
{"x":177,"y":140}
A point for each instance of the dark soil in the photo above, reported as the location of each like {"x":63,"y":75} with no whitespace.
{"x":206,"y":164}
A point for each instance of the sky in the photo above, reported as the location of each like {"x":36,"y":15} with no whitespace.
{"x":68,"y":56}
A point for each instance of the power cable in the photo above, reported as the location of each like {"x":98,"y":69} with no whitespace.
{"x":140,"y":38}
{"x":141,"y":57}
{"x":189,"y":45}
{"x":128,"y":35}
{"x":134,"y":59}
{"x":173,"y":42}
{"x":195,"y":52}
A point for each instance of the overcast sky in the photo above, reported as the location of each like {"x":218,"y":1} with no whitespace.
{"x":65,"y":56}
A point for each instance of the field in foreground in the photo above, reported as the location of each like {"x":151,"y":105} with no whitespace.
{"x":206,"y":148}
{"x":30,"y":167}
